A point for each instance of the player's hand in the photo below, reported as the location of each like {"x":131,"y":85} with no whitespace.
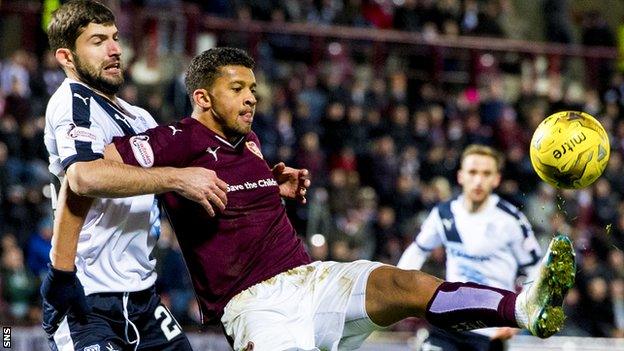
{"x":504,"y":333}
{"x":293,"y":183}
{"x":203,"y":186}
{"x":62,"y":293}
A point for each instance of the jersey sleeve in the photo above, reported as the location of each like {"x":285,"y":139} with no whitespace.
{"x":157,"y":147}
{"x":79,"y":136}
{"x":427,"y":239}
{"x":413,"y":258}
{"x":525,"y":246}
{"x":429,"y":236}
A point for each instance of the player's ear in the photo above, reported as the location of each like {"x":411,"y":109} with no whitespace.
{"x":64,"y":57}
{"x":202,"y":99}
{"x":460,"y":178}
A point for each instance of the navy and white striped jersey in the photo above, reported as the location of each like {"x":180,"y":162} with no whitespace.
{"x":488,"y":247}
{"x":119,"y":234}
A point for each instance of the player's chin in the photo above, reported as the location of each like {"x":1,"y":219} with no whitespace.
{"x":115,"y":79}
{"x":245,"y":128}
{"x":112,"y":81}
{"x":478,"y":196}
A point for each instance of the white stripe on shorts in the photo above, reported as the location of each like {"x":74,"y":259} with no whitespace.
{"x":62,"y":337}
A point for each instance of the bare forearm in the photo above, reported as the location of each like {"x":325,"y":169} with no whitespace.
{"x":69,"y":218}
{"x":107,"y":178}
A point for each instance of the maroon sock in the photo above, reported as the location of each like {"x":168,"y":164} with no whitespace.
{"x":465,"y":306}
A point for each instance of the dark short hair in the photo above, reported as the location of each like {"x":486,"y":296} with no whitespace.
{"x":204,"y":68}
{"x":70,"y":20}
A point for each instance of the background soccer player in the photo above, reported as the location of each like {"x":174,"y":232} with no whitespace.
{"x":251,"y":271}
{"x":113,"y":260}
{"x":487,"y":241}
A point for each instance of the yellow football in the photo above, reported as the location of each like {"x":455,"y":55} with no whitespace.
{"x":570,"y":149}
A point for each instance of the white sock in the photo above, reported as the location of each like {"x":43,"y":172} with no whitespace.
{"x":521,"y":315}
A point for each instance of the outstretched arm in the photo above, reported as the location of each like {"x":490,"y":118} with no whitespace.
{"x":106,"y":178}
{"x":110,"y":177}
{"x":195,"y":183}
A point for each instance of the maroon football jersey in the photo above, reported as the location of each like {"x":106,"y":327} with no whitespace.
{"x":251,"y":240}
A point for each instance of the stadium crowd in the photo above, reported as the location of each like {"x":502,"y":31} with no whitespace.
{"x":382,"y":148}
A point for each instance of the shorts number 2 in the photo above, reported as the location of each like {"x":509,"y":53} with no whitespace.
{"x":169,"y":326}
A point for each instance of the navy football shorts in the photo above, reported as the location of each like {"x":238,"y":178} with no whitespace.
{"x":118,"y":321}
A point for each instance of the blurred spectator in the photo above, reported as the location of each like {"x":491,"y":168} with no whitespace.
{"x":605,"y":203}
{"x":406,"y":16}
{"x":387,"y":249}
{"x":309,"y":155}
{"x":599,"y":320}
{"x":617,"y":295}
{"x":14,"y":75}
{"x":19,"y":286}
{"x":557,"y":19}
{"x":48,"y":77}
{"x":540,"y":207}
{"x":38,"y":248}
{"x":383,"y":164}
{"x":487,"y":20}
{"x":596,"y":32}
{"x":398,"y":127}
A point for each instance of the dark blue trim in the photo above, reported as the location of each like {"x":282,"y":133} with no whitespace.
{"x":509,"y":208}
{"x":423,"y":248}
{"x":112,"y":111}
{"x":103,"y":102}
{"x":444,"y":210}
{"x":80,"y":158}
{"x":534,"y":259}
{"x":525,"y":230}
{"x":515,"y":213}
{"x":81,"y":116}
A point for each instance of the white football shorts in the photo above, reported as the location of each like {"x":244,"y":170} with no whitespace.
{"x":318,"y":306}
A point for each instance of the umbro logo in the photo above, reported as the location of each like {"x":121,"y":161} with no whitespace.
{"x":174,"y":130}
{"x":84,"y":99}
{"x":447,"y":223}
{"x":110,"y":347}
{"x":213,"y":152}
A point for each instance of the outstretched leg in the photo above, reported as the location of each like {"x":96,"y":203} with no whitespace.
{"x":393,"y":294}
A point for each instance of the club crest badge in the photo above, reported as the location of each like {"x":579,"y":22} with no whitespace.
{"x":254,"y":148}
{"x":142,"y":150}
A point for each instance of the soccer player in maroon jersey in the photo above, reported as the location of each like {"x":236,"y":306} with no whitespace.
{"x":251,"y":271}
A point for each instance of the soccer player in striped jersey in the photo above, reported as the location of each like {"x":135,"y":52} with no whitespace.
{"x":250,"y":269}
{"x":487,"y":241}
{"x":113,"y":234}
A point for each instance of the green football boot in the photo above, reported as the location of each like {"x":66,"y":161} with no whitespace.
{"x":541,"y":303}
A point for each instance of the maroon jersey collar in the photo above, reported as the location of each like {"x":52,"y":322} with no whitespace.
{"x":217,"y":136}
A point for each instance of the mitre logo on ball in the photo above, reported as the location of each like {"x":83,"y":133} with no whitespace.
{"x":570,"y":149}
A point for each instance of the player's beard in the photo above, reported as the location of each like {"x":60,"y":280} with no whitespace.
{"x":236,"y":130}
{"x":241,"y":128}
{"x":232,"y":127}
{"x":92,"y":77}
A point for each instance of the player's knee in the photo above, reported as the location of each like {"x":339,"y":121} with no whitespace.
{"x":410,"y":289}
